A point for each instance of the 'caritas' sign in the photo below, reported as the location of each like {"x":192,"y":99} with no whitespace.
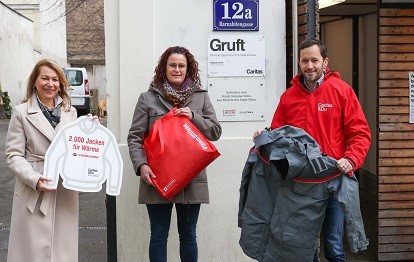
{"x":236,"y":55}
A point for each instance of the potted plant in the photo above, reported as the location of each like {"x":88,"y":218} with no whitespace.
{"x":6,"y":103}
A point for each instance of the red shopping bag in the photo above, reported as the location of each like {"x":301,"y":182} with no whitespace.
{"x":176,"y":152}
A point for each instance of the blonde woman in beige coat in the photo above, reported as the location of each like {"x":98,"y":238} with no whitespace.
{"x":44,"y":223}
{"x":176,"y":83}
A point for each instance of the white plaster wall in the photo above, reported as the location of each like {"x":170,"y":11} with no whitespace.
{"x":19,"y":30}
{"x":97,"y":80}
{"x":32,"y":14}
{"x":16,"y":53}
{"x":49,"y":26}
{"x":53,"y":30}
{"x":137,"y":32}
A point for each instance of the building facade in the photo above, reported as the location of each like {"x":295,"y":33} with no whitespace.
{"x":370,"y":44}
{"x":39,"y":31}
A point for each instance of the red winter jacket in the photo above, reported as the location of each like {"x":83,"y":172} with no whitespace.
{"x":331,"y":114}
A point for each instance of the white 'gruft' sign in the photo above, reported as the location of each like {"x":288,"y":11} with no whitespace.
{"x":235,"y":55}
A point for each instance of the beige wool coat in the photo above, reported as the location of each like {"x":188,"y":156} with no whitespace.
{"x":151,"y":106}
{"x":44,"y":225}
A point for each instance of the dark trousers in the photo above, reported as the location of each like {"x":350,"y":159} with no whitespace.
{"x":160,"y":218}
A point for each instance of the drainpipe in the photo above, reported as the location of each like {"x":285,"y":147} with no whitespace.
{"x":295,"y":36}
{"x":355,"y":54}
{"x":311,"y":19}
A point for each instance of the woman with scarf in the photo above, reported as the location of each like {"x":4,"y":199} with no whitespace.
{"x":44,"y":222}
{"x":176,"y":83}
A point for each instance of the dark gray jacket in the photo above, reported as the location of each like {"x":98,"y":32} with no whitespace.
{"x":280,"y":217}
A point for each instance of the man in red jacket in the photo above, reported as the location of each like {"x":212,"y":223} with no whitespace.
{"x":326,"y":108}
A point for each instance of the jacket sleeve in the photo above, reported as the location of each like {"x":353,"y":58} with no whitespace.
{"x":356,"y":131}
{"x":16,"y":150}
{"x":207,"y":121}
{"x":53,"y":158}
{"x":135,"y":139}
{"x":244,"y":185}
{"x":114,"y":160}
{"x":348,"y":196}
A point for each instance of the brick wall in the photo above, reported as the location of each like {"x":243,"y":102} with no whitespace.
{"x":85,"y":32}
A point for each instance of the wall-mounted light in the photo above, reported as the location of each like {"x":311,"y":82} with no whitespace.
{"x":326,"y":3}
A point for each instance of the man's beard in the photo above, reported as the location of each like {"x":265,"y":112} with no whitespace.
{"x":312,"y":78}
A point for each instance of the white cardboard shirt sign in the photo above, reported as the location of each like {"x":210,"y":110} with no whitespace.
{"x":85,"y":154}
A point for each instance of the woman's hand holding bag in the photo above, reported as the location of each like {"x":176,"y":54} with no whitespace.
{"x":176,"y":153}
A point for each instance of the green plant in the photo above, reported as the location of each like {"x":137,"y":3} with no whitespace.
{"x":6,"y":103}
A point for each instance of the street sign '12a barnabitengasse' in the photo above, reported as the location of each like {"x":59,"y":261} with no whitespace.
{"x":236,"y":15}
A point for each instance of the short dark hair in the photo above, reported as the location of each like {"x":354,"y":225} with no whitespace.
{"x":192,"y":65}
{"x":313,"y":41}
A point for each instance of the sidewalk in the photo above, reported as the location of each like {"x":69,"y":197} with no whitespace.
{"x":369,"y":215}
{"x":92,"y":218}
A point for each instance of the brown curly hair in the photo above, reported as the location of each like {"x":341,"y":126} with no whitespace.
{"x":63,"y":87}
{"x":192,"y":65}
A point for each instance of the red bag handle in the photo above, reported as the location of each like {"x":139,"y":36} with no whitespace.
{"x":157,"y":132}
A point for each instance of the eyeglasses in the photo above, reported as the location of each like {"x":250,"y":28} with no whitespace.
{"x":180,"y":66}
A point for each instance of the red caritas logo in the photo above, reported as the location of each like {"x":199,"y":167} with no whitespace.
{"x":229,"y":112}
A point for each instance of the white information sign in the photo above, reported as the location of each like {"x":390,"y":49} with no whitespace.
{"x":235,"y":55}
{"x":85,"y":154}
{"x":238,"y":99}
{"x":411,"y":87}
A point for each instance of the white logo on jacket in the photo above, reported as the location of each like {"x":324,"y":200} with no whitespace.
{"x":324,"y":107}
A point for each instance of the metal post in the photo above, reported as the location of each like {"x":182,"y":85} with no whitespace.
{"x":111,"y":228}
{"x":311,"y":19}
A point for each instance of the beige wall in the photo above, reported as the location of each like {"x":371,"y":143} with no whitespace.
{"x":368,"y":82}
{"x":337,"y":36}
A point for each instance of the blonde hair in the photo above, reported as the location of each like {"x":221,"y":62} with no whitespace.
{"x":63,"y":86}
